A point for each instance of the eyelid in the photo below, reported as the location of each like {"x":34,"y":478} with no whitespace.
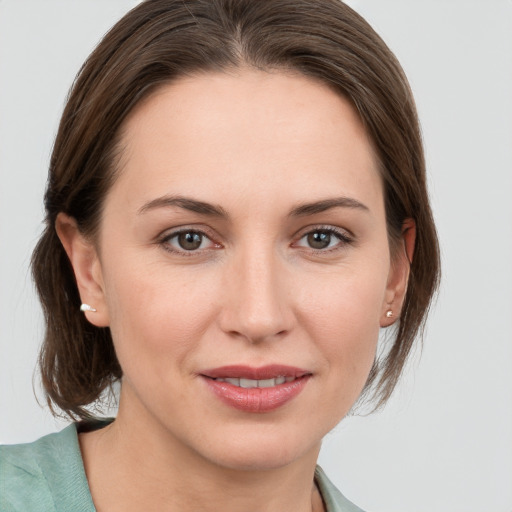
{"x":344,"y":235}
{"x":167,"y":235}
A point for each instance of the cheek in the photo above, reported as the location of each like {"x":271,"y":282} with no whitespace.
{"x":152,"y":312}
{"x":344,"y":319}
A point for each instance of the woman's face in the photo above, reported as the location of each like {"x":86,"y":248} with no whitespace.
{"x":245,"y":239}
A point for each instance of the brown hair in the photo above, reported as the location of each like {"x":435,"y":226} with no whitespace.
{"x":160,"y":40}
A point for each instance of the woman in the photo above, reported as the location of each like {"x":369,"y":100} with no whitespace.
{"x":236,"y":205}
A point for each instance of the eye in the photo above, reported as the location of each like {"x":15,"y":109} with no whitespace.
{"x":322,"y":239}
{"x":188,"y":240}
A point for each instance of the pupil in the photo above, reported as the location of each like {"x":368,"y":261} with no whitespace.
{"x":189,"y":240}
{"x":319,"y":239}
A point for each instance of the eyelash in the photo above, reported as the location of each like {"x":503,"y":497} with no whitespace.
{"x":166,"y":239}
{"x":344,"y":239}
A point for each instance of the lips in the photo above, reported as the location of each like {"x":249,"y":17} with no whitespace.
{"x":256,"y":390}
{"x":249,"y":372}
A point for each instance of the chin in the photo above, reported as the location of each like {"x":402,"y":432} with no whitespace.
{"x":265,"y":448}
{"x":266,"y":459}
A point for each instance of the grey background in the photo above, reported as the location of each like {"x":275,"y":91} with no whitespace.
{"x":444,"y":442}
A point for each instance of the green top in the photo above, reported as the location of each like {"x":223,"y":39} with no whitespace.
{"x":48,"y":476}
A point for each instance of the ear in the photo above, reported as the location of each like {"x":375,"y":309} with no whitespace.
{"x":399,"y":274}
{"x":87,"y":268}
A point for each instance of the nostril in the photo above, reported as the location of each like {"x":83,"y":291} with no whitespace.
{"x":257,"y":337}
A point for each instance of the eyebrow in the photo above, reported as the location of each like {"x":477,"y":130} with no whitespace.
{"x":211,"y":210}
{"x":186,"y":203}
{"x":327,"y":204}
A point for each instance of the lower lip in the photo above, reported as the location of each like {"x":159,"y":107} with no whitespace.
{"x":257,"y":399}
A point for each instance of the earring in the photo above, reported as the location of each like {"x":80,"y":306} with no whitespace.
{"x":86,"y":307}
{"x":389,"y":313}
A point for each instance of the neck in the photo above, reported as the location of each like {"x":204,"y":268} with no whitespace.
{"x":136,"y":464}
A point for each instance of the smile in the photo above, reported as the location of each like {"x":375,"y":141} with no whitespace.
{"x":256,"y":390}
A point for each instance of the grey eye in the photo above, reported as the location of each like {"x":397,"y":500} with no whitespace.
{"x":319,"y":239}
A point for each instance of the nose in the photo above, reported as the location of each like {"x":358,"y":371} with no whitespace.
{"x":256,"y":302}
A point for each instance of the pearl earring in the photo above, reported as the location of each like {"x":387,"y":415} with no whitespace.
{"x":86,"y":307}
{"x":389,"y":313}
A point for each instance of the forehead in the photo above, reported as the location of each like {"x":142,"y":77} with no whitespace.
{"x":250,"y":129}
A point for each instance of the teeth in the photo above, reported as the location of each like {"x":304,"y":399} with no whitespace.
{"x":248,"y":383}
{"x":267,"y":383}
{"x":252,"y":383}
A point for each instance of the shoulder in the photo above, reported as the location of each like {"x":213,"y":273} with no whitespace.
{"x":43,"y":475}
{"x":333,"y":499}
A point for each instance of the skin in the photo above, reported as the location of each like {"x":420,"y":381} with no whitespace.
{"x":257,"y":145}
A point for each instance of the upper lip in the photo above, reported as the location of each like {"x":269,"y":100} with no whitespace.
{"x":249,"y":372}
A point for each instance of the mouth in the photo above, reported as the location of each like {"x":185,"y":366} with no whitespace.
{"x":256,"y":390}
{"x":256,"y":383}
